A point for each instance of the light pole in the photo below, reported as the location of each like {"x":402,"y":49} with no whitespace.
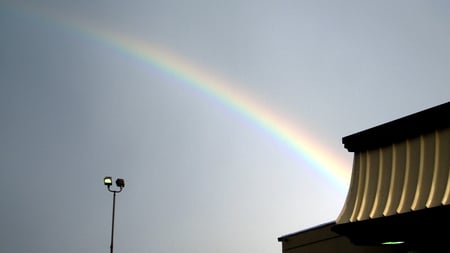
{"x":121,"y":184}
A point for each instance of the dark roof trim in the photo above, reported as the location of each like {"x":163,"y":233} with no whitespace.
{"x":425,"y":121}
{"x":424,"y":226}
{"x":285,"y":237}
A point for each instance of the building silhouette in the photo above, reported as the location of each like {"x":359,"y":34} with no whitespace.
{"x":399,"y":194}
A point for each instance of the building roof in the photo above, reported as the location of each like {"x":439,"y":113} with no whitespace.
{"x":403,"y":128}
{"x":400,"y":185}
{"x":305,"y":231}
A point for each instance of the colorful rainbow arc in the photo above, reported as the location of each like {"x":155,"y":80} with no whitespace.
{"x":235,"y":99}
{"x":301,"y":143}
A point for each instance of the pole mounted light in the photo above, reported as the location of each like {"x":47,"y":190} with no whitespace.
{"x":120,"y":183}
{"x":107,"y":181}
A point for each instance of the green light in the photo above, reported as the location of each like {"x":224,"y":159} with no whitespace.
{"x":393,"y":243}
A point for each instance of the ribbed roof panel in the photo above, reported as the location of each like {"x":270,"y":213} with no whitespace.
{"x":400,"y":166}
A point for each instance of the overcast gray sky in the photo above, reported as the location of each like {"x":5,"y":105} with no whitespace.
{"x":225,"y":118}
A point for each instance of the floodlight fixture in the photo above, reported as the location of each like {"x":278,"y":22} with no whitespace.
{"x":120,"y":183}
{"x":107,"y":181}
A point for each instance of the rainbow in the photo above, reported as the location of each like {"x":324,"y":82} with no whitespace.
{"x":223,"y":91}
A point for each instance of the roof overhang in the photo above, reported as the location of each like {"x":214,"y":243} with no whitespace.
{"x":426,"y":227}
{"x":400,"y":185}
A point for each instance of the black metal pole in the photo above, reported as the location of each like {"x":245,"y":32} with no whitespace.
{"x":120,"y":183}
{"x":112,"y":228}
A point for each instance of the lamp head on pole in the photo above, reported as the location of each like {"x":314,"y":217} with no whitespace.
{"x":120,"y":183}
{"x":107,"y":181}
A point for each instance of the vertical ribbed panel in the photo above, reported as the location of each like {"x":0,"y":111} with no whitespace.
{"x":444,"y":159}
{"x":411,"y":174}
{"x":397,"y":176}
{"x":350,"y":201}
{"x":444,"y":162}
{"x":384,"y":178}
{"x":426,"y":166}
{"x":359,"y":186}
{"x":370,"y":184}
{"x":402,"y":177}
{"x":440,"y":169}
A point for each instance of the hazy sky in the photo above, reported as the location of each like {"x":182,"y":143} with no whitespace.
{"x":225,"y":118}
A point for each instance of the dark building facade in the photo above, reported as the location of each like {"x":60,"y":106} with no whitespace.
{"x":399,"y":194}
